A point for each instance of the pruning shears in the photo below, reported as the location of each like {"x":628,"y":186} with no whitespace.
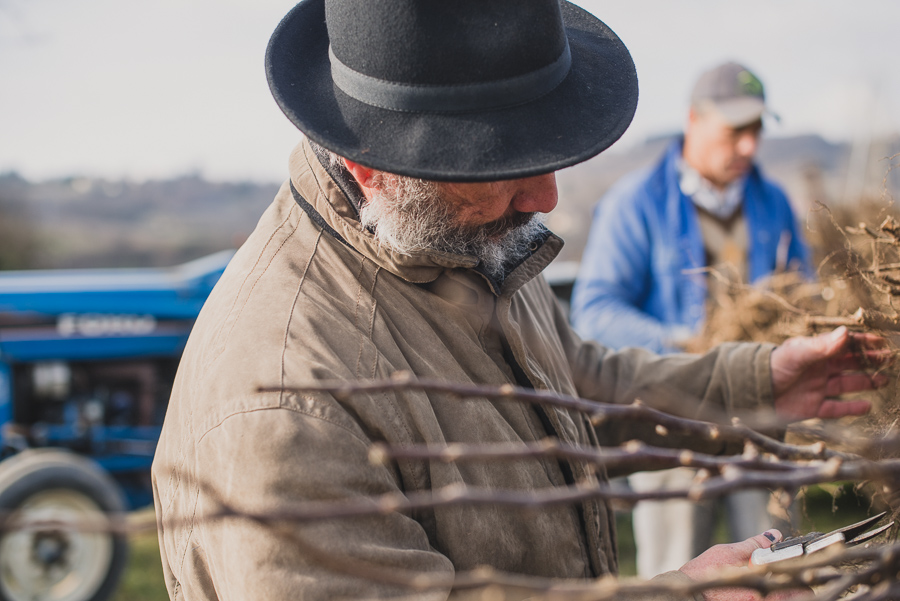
{"x":797,"y":546}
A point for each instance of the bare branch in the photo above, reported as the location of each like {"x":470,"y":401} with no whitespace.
{"x":735,"y":432}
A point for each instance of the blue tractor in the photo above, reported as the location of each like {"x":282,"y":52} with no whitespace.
{"x":87,"y":361}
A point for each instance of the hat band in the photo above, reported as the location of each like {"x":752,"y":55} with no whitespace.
{"x":459,"y":98}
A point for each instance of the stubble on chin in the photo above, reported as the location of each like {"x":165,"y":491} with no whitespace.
{"x":412,"y":215}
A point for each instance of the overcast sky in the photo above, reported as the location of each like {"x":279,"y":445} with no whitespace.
{"x":148,"y":89}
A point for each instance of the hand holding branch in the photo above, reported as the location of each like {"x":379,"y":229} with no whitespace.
{"x":809,"y":373}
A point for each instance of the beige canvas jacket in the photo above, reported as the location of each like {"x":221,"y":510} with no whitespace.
{"x":311,"y":297}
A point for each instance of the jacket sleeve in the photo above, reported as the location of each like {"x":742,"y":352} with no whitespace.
{"x":272,"y":461}
{"x":615,"y":277}
{"x":732,"y":378}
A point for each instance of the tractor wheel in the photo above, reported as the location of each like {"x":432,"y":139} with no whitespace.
{"x":67,"y":562}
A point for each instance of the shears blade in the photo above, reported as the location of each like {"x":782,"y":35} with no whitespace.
{"x":796,"y":546}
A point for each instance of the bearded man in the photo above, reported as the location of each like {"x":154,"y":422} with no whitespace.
{"x":412,"y":244}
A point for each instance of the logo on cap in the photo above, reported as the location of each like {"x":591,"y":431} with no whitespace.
{"x":750,"y":84}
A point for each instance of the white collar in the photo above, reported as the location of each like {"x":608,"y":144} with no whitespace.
{"x":721,"y":203}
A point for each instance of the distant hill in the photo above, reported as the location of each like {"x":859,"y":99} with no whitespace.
{"x":84,"y":222}
{"x":81,"y":222}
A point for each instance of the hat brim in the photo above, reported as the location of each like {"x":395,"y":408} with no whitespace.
{"x":580,"y":118}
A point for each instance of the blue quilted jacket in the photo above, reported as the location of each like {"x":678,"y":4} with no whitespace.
{"x":634,"y":287}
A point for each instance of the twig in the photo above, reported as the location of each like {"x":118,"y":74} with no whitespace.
{"x":861,"y":319}
{"x":598,"y":412}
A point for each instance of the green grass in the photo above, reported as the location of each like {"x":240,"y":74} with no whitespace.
{"x":822,"y":508}
{"x":143,"y":577}
{"x":832,"y":506}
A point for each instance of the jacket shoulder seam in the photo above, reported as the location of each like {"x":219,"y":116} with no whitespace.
{"x":290,"y":320}
{"x":190,"y":532}
{"x":297,"y":410}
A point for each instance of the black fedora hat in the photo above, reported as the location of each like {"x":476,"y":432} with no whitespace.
{"x":458,"y":90}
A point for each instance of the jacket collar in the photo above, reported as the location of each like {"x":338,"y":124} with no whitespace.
{"x":331,"y":198}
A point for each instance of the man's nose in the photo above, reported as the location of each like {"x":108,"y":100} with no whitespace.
{"x":536,"y":194}
{"x":747,"y":143}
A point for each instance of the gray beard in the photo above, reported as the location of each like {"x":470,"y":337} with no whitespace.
{"x":409,"y":215}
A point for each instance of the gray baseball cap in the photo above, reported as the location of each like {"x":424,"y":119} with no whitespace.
{"x":733,"y":91}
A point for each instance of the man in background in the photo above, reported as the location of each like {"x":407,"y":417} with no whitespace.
{"x":705,"y":204}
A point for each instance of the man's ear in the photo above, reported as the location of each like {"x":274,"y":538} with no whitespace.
{"x":693,"y":115}
{"x":364,"y":176}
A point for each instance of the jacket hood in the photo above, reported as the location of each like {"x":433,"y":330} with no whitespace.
{"x":331,"y":198}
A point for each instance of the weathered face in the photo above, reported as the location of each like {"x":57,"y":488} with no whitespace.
{"x":493,"y":221}
{"x":719,"y":152}
{"x":483,"y":204}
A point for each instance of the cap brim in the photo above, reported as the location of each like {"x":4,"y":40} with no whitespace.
{"x":739,"y":112}
{"x":580,"y":118}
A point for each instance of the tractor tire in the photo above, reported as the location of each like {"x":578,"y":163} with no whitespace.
{"x":59,"y":564}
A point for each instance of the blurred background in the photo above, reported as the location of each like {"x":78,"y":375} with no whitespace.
{"x":138,"y":134}
{"x":143,"y":133}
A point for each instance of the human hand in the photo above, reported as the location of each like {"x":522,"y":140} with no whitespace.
{"x":809,"y":372}
{"x":711,"y":562}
